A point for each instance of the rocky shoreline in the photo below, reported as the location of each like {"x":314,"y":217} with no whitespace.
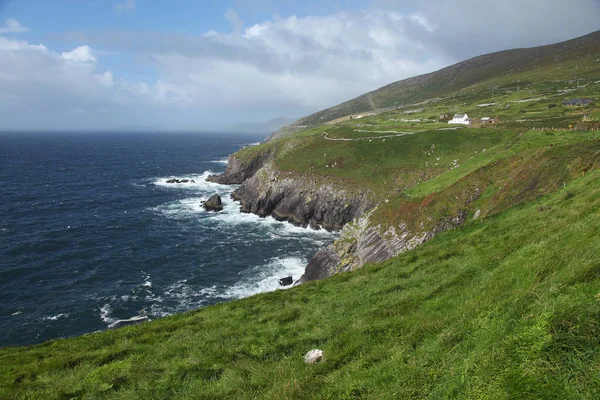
{"x":308,"y":201}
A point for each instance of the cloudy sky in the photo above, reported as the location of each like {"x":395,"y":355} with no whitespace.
{"x":201,"y":65}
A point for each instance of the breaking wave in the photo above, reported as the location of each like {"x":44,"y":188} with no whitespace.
{"x":233,"y":236}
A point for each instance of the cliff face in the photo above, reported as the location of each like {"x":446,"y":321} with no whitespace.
{"x":238,"y":170}
{"x":308,"y":201}
{"x":361,"y":243}
{"x":299,"y":200}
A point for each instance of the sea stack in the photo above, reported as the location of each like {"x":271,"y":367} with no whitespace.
{"x":213,"y":203}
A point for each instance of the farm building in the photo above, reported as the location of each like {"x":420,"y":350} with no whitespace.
{"x":488,"y":120}
{"x":460,"y":119}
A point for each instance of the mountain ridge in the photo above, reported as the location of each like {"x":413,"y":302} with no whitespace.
{"x":449,"y":79}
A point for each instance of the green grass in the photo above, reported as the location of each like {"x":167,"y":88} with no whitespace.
{"x":506,"y":307}
{"x":386,"y":165}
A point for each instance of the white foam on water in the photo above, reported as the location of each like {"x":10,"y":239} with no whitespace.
{"x":55,"y":317}
{"x":266,"y":278}
{"x":105,"y":311}
{"x":195,"y":182}
{"x":147,"y":282}
{"x":232,"y":215}
{"x":221,"y":161}
{"x":182,"y":208}
{"x":184,"y":296}
{"x":181,"y":296}
{"x":137,"y":318}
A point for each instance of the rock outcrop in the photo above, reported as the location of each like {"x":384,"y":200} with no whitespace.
{"x":214,"y":203}
{"x":317,"y":202}
{"x":300,"y":200}
{"x":361,"y":243}
{"x":238,"y":169}
{"x":175,"y":180}
{"x":287,"y":281}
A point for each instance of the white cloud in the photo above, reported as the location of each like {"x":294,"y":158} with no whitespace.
{"x":45,"y":89}
{"x":282,"y":66}
{"x":13,"y":26}
{"x":128,"y":5}
{"x":290,"y":66}
{"x":80,"y":54}
{"x":465,"y":28}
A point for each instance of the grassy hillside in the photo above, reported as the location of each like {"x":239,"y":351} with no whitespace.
{"x":507,"y":307}
{"x":577,"y":58}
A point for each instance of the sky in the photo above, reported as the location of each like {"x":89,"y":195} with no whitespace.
{"x":205,"y":65}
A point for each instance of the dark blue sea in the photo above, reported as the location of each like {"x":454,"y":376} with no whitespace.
{"x":91,"y":233}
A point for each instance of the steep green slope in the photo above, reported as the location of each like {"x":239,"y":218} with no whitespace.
{"x":577,"y":58}
{"x":505,"y":307}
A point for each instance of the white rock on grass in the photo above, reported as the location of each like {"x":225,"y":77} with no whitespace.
{"x":314,"y":356}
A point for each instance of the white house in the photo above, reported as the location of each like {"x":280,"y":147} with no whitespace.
{"x":460,"y":119}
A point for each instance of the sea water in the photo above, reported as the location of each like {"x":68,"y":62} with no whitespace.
{"x":92,"y":234}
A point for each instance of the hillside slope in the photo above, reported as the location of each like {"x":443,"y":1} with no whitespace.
{"x":467,"y":73}
{"x":507,"y":307}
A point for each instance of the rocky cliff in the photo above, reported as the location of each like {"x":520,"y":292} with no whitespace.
{"x":306,"y":200}
{"x":361,"y":243}
{"x":301,"y":200}
{"x":240,"y":169}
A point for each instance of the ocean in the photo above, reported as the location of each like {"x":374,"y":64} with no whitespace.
{"x":91,"y":234}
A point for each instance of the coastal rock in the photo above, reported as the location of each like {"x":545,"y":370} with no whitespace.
{"x":321,"y":203}
{"x":322,"y":265}
{"x":300,"y":200}
{"x":287,"y":281}
{"x":174,"y":180}
{"x":214,"y":203}
{"x":361,"y":243}
{"x":238,"y":170}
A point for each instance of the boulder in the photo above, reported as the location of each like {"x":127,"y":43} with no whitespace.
{"x":175,"y":180}
{"x":287,"y":281}
{"x":214,"y":203}
{"x":314,"y":356}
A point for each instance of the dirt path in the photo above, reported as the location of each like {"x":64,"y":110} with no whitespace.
{"x":325,"y":135}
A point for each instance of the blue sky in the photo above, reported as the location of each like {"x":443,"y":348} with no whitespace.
{"x":201,"y":65}
{"x":52,"y":18}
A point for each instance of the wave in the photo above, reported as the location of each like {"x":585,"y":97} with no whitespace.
{"x":221,"y":161}
{"x":194,"y":182}
{"x":182,"y":296}
{"x":236,"y":227}
{"x":128,"y":321}
{"x":55,"y":317}
{"x":105,"y":311}
{"x":265,"y":278}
